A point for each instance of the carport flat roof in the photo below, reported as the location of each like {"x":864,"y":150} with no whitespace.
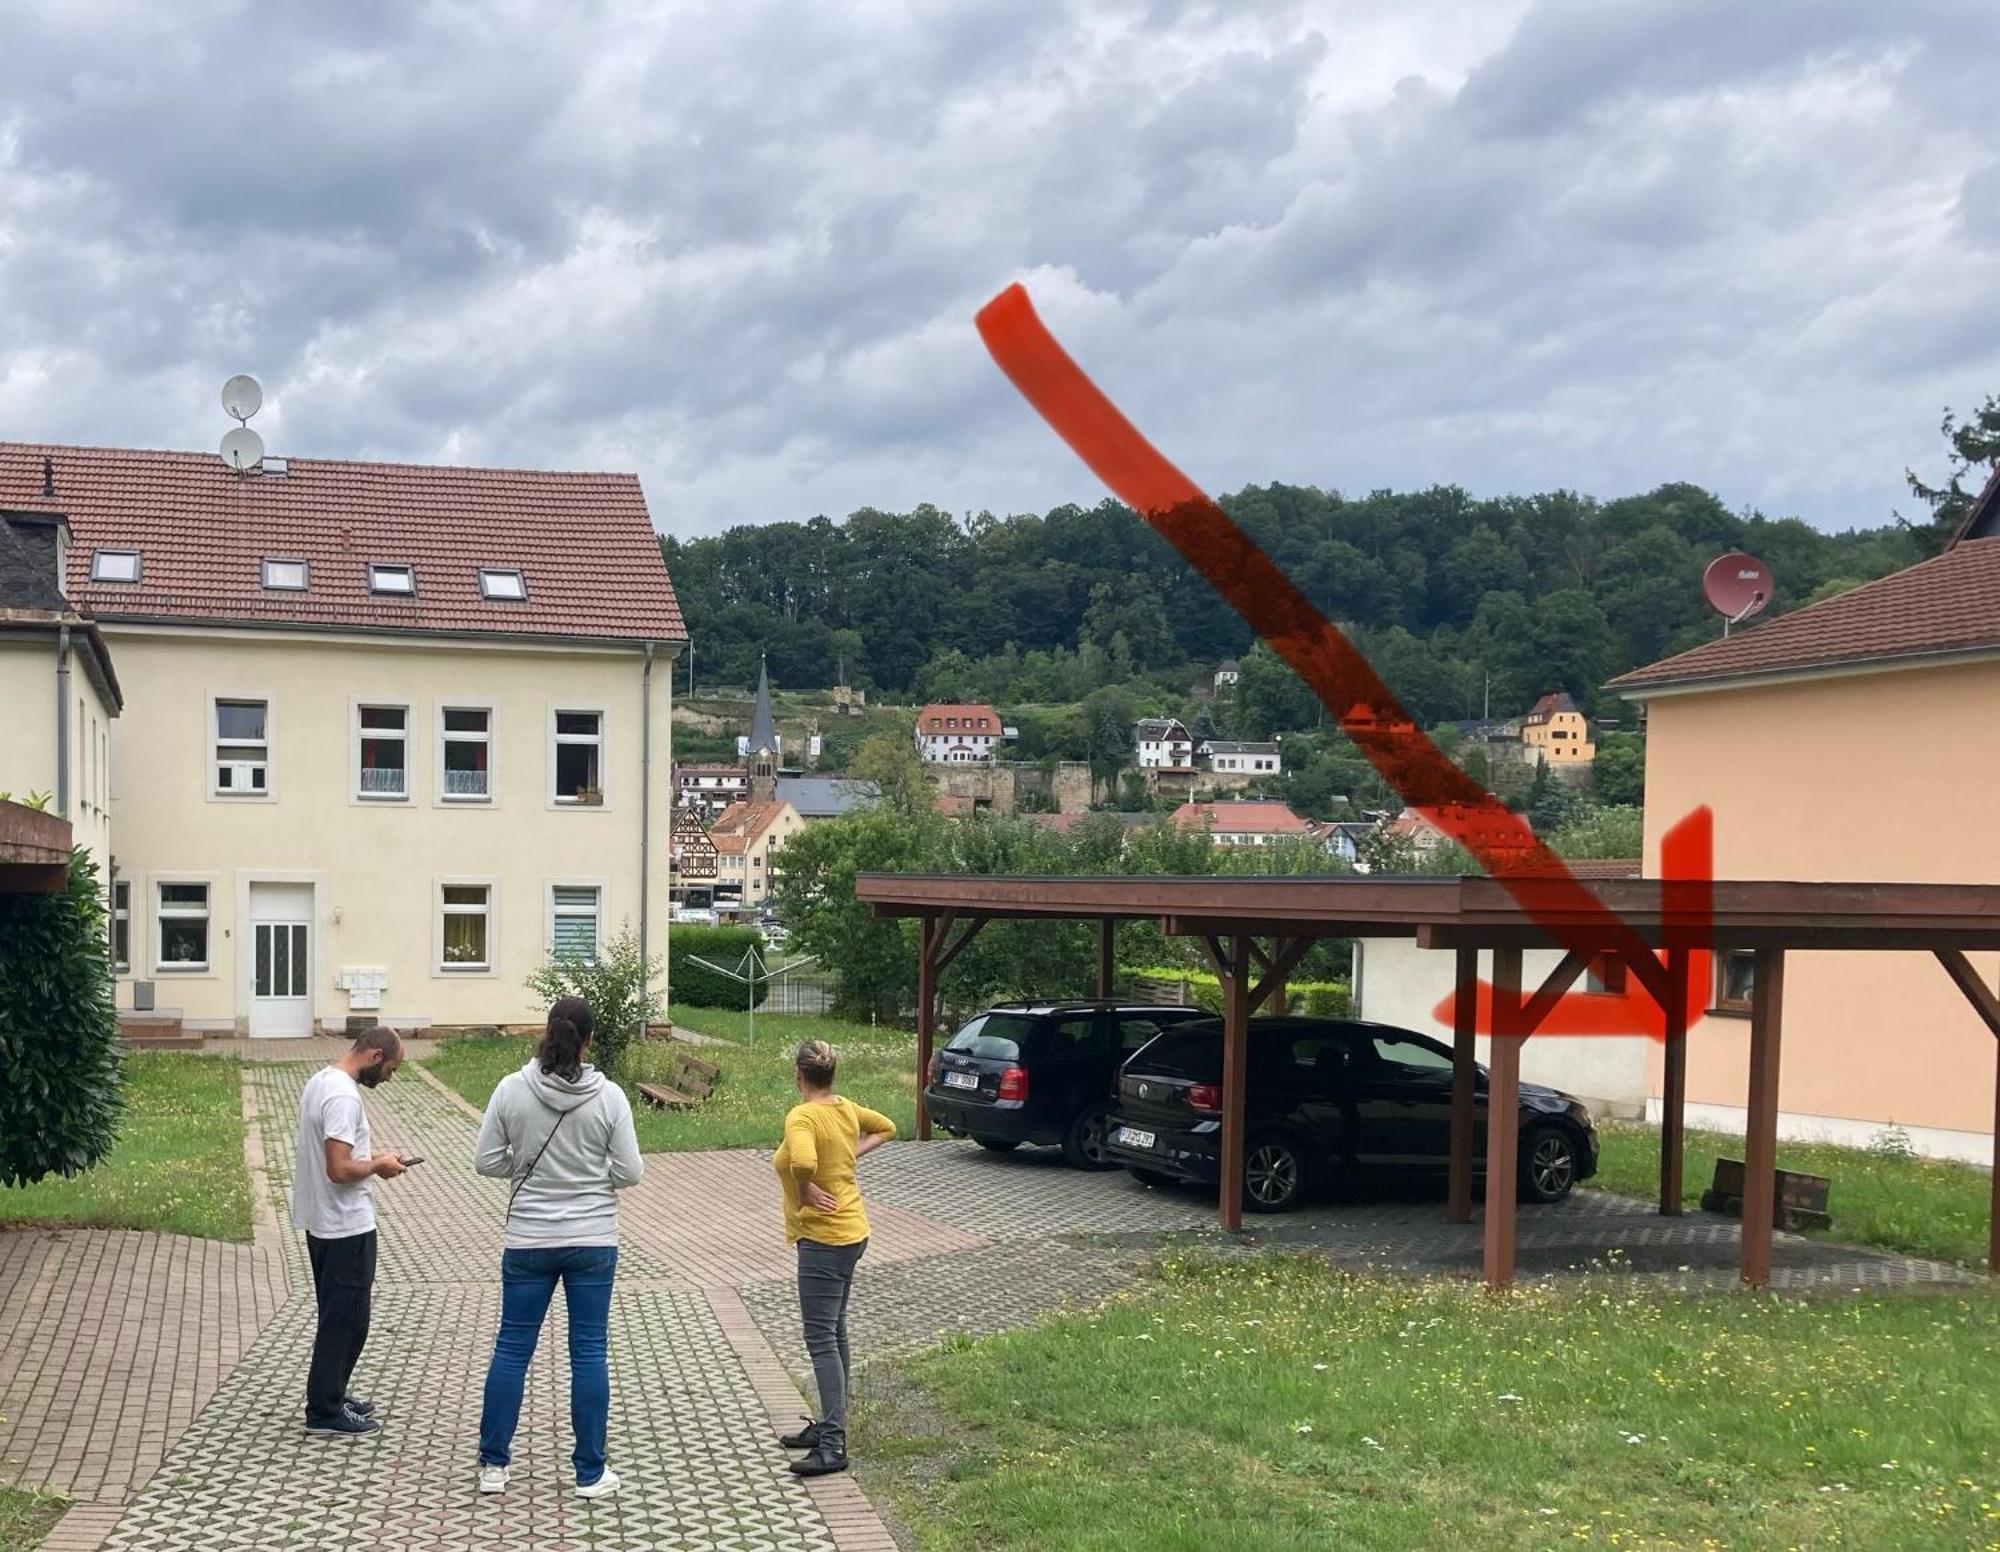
{"x":1444,"y":912}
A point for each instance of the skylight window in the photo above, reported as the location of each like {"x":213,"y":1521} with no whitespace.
{"x":114,"y":565}
{"x":288,"y":575}
{"x":502,"y":584}
{"x":392,"y":579}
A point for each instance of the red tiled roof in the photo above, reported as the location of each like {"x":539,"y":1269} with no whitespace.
{"x":1240,"y":818}
{"x":737,"y":827}
{"x":1945,"y":605}
{"x":583,"y":542}
{"x":971,"y":719}
{"x":1549,"y":705}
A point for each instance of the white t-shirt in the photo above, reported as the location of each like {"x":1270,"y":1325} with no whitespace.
{"x":331,"y":1108}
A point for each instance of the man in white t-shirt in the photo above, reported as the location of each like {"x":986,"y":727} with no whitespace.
{"x":333,"y":1182}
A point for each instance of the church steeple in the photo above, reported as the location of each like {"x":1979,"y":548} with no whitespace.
{"x":763,"y":742}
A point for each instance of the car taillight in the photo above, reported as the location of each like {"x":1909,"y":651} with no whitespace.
{"x":937,"y":1065}
{"x":1205,"y":1097}
{"x":1013,"y":1084}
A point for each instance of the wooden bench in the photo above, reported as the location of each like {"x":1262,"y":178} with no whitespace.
{"x":1800,"y":1199}
{"x":690,"y":1080}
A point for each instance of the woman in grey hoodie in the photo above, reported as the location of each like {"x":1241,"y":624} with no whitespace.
{"x":563,"y":1135}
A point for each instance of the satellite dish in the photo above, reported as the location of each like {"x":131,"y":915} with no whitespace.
{"x":242,"y":449}
{"x":1736,"y":586}
{"x":242,"y":396}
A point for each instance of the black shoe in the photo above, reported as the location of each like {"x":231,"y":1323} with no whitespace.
{"x":824,"y":1461}
{"x":362,"y":1408}
{"x":804,"y":1439}
{"x":348,"y":1425}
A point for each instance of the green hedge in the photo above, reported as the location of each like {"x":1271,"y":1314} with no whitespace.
{"x":1321,"y":999}
{"x":691,"y":985}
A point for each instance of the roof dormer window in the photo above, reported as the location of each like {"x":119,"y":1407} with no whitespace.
{"x":114,"y":565}
{"x":392,"y":579}
{"x":285,"y":575}
{"x":504,"y":585}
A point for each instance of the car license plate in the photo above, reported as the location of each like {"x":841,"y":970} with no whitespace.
{"x":961,"y":1080}
{"x":1132,"y":1137}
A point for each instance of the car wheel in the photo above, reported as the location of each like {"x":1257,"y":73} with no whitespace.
{"x":1274,"y":1174}
{"x":1548,"y":1164}
{"x":998,"y":1144}
{"x":1085,"y":1144}
{"x":1149,"y":1177}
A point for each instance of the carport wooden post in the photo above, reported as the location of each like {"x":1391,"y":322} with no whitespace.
{"x":1235,"y":1069}
{"x":1503,"y":1118}
{"x":1986,"y":1003}
{"x":1673,"y":1089}
{"x":1464,"y":1023}
{"x":1760,"y":1133}
{"x":930,"y":933}
{"x":1107,"y":957}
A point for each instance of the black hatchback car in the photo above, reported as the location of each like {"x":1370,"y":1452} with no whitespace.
{"x":1041,"y":1072}
{"x":1328,"y":1100}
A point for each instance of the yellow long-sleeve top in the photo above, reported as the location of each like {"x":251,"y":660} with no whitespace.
{"x":819,"y":1147}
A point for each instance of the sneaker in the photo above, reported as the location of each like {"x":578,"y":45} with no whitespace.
{"x":349,"y":1425}
{"x":826,"y":1458}
{"x":603,"y":1487}
{"x":356,"y":1404}
{"x":804,"y":1439}
{"x":493,"y":1479}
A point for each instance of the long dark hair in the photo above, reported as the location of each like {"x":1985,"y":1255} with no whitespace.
{"x":569,"y":1031}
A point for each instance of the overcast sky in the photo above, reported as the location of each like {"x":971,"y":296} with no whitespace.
{"x":737,"y":246}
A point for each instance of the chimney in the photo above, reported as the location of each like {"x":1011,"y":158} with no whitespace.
{"x":48,"y":475}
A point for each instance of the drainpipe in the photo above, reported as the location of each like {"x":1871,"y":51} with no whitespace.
{"x":645,"y":809}
{"x":62,"y":721}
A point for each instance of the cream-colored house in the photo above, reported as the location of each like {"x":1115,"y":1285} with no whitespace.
{"x":391,"y":733}
{"x":1853,"y":740}
{"x":57,"y":684}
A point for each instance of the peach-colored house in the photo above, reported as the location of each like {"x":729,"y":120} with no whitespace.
{"x":1855,"y":740}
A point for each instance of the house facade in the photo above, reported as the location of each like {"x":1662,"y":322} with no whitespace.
{"x":710,"y":788}
{"x":1163,"y":744}
{"x":748,"y":837}
{"x":1555,"y":733}
{"x":1242,"y":824}
{"x":1227,"y":757}
{"x":951,"y":733}
{"x":392,"y":734}
{"x":1761,"y":728}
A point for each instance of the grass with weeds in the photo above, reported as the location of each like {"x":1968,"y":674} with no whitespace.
{"x":1275,"y":1403}
{"x":747,"y":1109}
{"x":176,"y":1167}
{"x":1879,"y":1196}
{"x":26,"y":1516}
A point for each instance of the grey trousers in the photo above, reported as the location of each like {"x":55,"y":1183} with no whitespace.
{"x":826,"y":1278}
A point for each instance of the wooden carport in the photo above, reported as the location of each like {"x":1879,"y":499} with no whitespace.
{"x":1254,"y":931}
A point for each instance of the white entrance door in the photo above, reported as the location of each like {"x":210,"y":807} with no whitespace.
{"x":281,"y":959}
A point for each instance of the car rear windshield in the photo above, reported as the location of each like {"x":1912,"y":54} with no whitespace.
{"x":994,"y":1036}
{"x":1194,"y":1051}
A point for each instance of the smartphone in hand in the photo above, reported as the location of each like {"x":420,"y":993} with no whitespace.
{"x":408,"y":1159}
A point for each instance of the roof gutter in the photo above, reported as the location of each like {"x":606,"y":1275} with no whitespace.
{"x":320,"y":628}
{"x":1850,"y":669}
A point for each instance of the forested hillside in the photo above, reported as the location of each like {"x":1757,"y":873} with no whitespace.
{"x":1447,"y":593}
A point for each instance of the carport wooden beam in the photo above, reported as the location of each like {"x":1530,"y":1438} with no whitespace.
{"x":1987,"y":1005}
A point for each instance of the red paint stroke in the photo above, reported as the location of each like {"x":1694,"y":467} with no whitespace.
{"x":1278,"y":612}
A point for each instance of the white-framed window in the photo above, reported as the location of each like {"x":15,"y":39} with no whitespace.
{"x":114,"y":565}
{"x":285,"y":575}
{"x":181,"y":912}
{"x":503,"y":585}
{"x":382,"y":752}
{"x":391,"y":578}
{"x":576,"y":757}
{"x":465,"y":769}
{"x":240,"y":742}
{"x":465,"y":926}
{"x":574,"y":911}
{"x":121,"y":926}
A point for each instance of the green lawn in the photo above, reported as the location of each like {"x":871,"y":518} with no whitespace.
{"x":177,"y":1165}
{"x":1925,"y":1207}
{"x":747,"y":1110}
{"x":1266,"y":1403}
{"x":26,"y":1517}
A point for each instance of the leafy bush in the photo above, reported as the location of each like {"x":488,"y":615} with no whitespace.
{"x":60,"y":1103}
{"x":697,"y":987}
{"x":618,"y":987}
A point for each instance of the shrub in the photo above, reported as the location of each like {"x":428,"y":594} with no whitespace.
{"x":60,"y":1101}
{"x":618,"y":987}
{"x":698,"y":987}
{"x":1330,"y":999}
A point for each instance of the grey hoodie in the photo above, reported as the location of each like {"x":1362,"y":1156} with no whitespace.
{"x":569,"y":1197}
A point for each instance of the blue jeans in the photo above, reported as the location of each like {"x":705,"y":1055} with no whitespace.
{"x":528,"y":1281}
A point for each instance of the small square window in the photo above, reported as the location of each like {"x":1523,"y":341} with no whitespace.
{"x":286,"y":575}
{"x":392,"y":579}
{"x":1736,"y":980}
{"x":114,"y":565}
{"x":466,"y":915}
{"x":502,"y":584}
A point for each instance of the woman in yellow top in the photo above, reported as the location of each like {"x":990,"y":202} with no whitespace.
{"x":824,"y":1135}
